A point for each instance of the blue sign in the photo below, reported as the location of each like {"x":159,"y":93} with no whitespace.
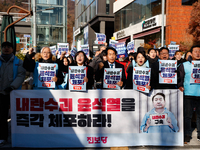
{"x":100,"y":38}
{"x":121,"y":50}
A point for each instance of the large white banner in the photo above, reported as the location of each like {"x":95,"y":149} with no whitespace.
{"x":195,"y":76}
{"x":96,"y":118}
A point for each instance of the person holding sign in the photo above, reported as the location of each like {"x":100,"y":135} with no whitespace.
{"x":111,"y":54}
{"x":81,"y":60}
{"x":141,"y":61}
{"x":43,"y":59}
{"x":163,"y":55}
{"x":12,"y":76}
{"x":152,"y":57}
{"x":190,"y":85}
{"x":159,"y":119}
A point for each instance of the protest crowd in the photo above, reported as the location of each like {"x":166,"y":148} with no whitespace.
{"x":98,"y":70}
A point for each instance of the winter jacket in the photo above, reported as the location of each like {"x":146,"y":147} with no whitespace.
{"x":32,"y":66}
{"x":185,"y":74}
{"x":8,"y":78}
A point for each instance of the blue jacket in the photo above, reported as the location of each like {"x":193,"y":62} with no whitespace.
{"x":185,"y":75}
{"x":159,"y":128}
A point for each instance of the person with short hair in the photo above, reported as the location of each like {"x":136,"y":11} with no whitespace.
{"x":163,"y":125}
{"x":12,"y":76}
{"x":163,"y":55}
{"x":191,"y":94}
{"x":111,"y":54}
{"x":152,"y":57}
{"x":45,"y":56}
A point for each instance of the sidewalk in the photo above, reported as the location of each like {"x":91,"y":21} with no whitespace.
{"x":194,"y":145}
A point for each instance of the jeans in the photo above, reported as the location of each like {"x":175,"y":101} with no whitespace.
{"x":190,"y":102}
{"x":4,"y":108}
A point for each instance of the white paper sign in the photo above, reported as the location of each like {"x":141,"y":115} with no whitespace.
{"x":111,"y":77}
{"x":141,"y":79}
{"x":53,"y":49}
{"x":158,"y":119}
{"x":46,"y":72}
{"x":172,"y":50}
{"x":85,"y":49}
{"x":62,"y":47}
{"x":76,"y":75}
{"x":195,"y":73}
{"x":168,"y":74}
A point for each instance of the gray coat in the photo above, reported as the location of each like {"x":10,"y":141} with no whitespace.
{"x":6,"y":75}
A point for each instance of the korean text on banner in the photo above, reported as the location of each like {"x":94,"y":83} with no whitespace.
{"x":53,"y":49}
{"x":168,"y":71}
{"x":100,"y":38}
{"x":111,"y":77}
{"x":62,"y":47}
{"x":73,"y":52}
{"x":85,"y":49}
{"x":112,"y":43}
{"x":46,"y":72}
{"x":172,"y":50}
{"x":121,"y":50}
{"x":131,"y":47}
{"x":141,"y":79}
{"x":76,"y":78}
{"x":195,"y":76}
{"x":98,"y":118}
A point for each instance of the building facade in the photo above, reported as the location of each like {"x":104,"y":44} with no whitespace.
{"x":51,"y":25}
{"x":141,"y":21}
{"x":93,"y":16}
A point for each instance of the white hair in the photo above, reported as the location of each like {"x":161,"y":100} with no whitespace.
{"x":44,"y":48}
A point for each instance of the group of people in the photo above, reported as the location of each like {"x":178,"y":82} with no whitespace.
{"x":13,"y":72}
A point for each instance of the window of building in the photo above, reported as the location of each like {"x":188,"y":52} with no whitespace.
{"x":188,"y":2}
{"x":107,"y":6}
{"x":136,"y":12}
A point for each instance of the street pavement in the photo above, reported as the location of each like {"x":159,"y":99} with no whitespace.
{"x":193,"y":144}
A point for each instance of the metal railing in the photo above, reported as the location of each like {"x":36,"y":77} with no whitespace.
{"x":16,"y":16}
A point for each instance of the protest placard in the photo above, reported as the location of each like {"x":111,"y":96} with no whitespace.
{"x":62,"y":47}
{"x":100,"y":38}
{"x":172,"y":50}
{"x":76,"y":75}
{"x":46,"y":72}
{"x":195,"y":76}
{"x":121,"y":50}
{"x":141,"y":79}
{"x":168,"y":74}
{"x":111,"y":77}
{"x":131,"y":47}
{"x":112,"y":43}
{"x":85,"y":49}
{"x":53,"y":49}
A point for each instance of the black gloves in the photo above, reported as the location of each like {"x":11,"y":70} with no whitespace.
{"x":8,"y":89}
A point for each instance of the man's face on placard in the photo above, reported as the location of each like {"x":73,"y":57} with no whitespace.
{"x":196,"y":53}
{"x":158,"y":101}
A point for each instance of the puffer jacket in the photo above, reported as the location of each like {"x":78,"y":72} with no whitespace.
{"x":6,"y":75}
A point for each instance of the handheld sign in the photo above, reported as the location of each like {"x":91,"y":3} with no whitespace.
{"x":121,"y":50}
{"x":73,"y":52}
{"x":168,"y":74}
{"x":112,"y":43}
{"x":46,"y":72}
{"x":195,"y":73}
{"x":172,"y":50}
{"x":158,"y":119}
{"x":131,"y":47}
{"x":85,"y":49}
{"x":62,"y":47}
{"x":111,"y":77}
{"x":100,"y":38}
{"x":141,"y":78}
{"x":53,"y":49}
{"x":76,"y":75}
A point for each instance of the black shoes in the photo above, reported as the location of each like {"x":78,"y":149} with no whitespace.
{"x":187,"y":139}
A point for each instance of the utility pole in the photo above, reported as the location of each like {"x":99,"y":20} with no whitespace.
{"x":34,"y":26}
{"x":163,"y":20}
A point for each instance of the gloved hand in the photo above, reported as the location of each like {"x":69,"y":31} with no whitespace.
{"x":8,"y":89}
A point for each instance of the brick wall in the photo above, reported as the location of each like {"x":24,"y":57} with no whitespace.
{"x":177,"y":19}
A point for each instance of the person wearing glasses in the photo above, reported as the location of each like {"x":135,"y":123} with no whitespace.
{"x":45,"y":56}
{"x":163,"y":55}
